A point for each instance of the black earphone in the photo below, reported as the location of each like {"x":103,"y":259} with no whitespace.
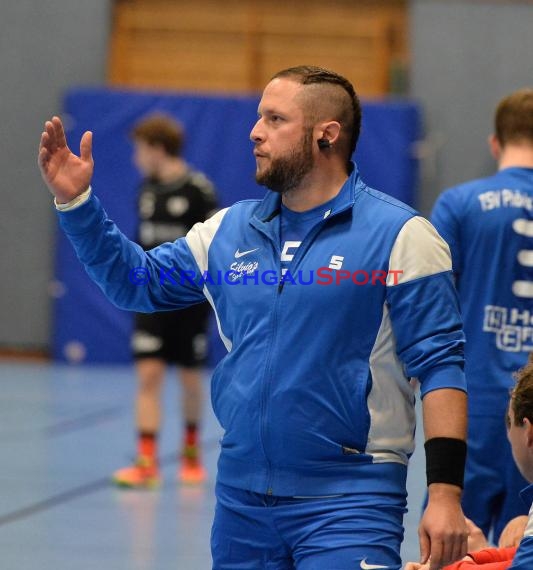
{"x":323,"y":143}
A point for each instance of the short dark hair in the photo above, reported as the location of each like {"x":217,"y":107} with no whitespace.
{"x":160,"y":129}
{"x":344,"y":100}
{"x":513,"y":120}
{"x":522,"y":396}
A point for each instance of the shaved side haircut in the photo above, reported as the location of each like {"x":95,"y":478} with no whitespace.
{"x":328,"y":96}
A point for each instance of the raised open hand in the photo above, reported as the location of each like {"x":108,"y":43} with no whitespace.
{"x":66,"y":175}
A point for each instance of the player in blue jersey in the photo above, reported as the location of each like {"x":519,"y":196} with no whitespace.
{"x":314,"y":394}
{"x":488,"y":224}
{"x":520,"y":434}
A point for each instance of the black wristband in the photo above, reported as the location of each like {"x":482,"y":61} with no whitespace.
{"x":445,"y":460}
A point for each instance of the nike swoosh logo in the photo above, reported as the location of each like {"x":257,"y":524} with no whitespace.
{"x":365,"y":566}
{"x":241,"y":253}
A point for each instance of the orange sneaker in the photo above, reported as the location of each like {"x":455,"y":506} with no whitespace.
{"x":191,"y":471}
{"x":143,"y":475}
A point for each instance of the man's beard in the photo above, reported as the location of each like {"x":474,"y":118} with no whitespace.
{"x":287,"y":172}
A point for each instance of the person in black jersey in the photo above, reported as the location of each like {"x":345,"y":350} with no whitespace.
{"x":172,"y":199}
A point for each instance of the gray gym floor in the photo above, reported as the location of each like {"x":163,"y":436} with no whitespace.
{"x":63,"y":431}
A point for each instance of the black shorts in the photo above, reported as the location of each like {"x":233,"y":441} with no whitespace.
{"x":178,"y":337}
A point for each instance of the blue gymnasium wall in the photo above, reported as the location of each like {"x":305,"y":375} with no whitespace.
{"x":87,"y":327}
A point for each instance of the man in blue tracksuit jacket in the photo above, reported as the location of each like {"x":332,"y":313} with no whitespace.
{"x":488,"y":224}
{"x":329,"y":297}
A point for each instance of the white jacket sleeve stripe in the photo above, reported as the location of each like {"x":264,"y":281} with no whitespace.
{"x":418,"y":251}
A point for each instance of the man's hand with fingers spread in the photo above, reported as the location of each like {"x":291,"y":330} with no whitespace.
{"x":66,"y":175}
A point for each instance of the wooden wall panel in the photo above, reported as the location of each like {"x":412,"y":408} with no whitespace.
{"x":236,"y":45}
